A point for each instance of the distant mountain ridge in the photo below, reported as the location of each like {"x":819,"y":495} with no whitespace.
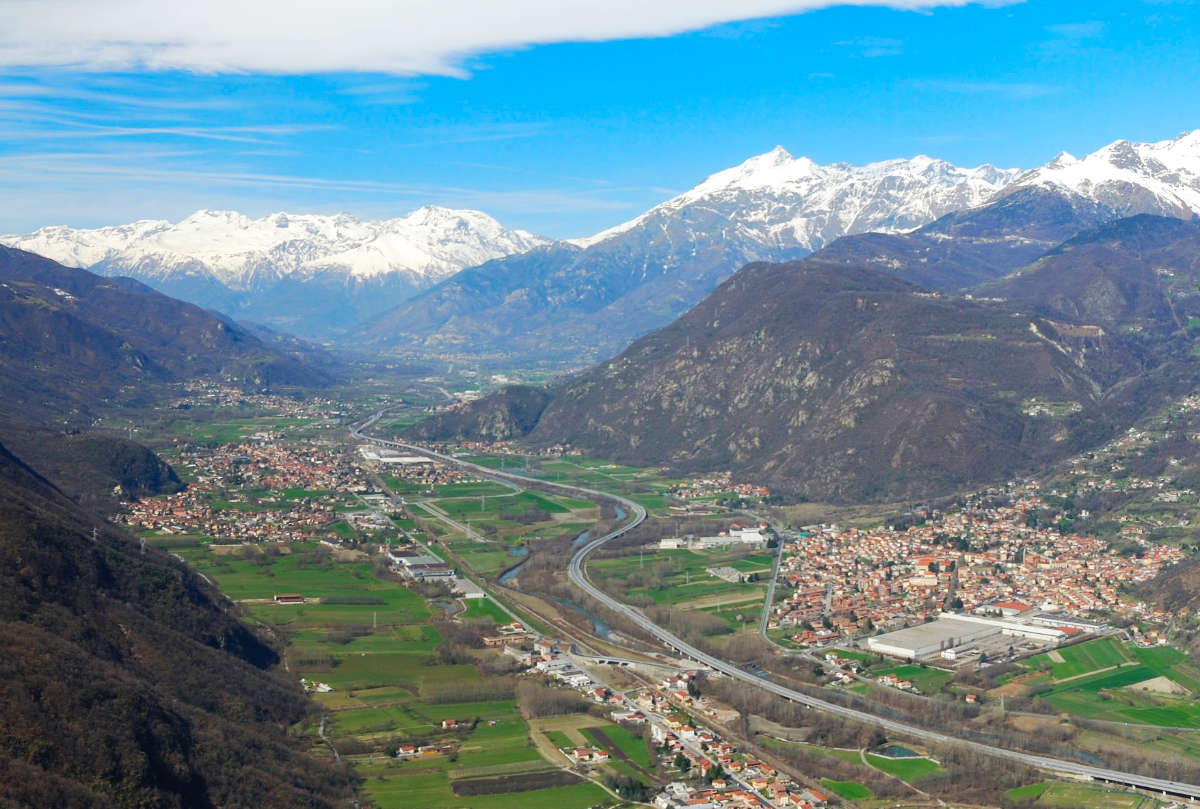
{"x":441,"y":282}
{"x":789,"y":202}
{"x":922,"y":219}
{"x":835,"y":382}
{"x":583,"y":301}
{"x":308,"y":274}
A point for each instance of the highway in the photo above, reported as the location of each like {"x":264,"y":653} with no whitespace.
{"x":578,"y":575}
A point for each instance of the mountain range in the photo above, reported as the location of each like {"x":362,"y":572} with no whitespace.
{"x":440,"y":282}
{"x":577,"y":303}
{"x":306,"y":274}
{"x":829,"y":381}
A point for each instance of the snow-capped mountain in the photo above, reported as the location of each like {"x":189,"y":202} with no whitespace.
{"x":589,"y":298}
{"x":1129,"y":178}
{"x":790,"y":202}
{"x":306,"y":273}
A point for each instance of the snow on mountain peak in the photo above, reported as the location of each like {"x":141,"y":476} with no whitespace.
{"x":1161,"y":178}
{"x":794,"y":202}
{"x":427,"y":244}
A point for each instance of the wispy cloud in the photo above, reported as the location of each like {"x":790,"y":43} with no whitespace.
{"x":1070,"y":38}
{"x":473,"y":133}
{"x":282,"y":36}
{"x":391,"y":91}
{"x":1016,"y":90}
{"x":872,"y":47}
{"x":1077,"y":30}
{"x":159,"y":177}
{"x":59,"y":92}
{"x":67,"y":128}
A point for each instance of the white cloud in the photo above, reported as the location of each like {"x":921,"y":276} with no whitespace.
{"x":311,"y":36}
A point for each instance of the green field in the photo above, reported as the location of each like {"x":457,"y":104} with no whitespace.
{"x":1082,"y":658}
{"x":906,"y":769}
{"x":631,"y":744}
{"x":558,"y":739}
{"x":484,"y":608}
{"x":672,"y":577}
{"x":1091,"y":796}
{"x":1096,"y":679}
{"x":850,"y":790}
{"x":927,"y":680}
{"x":711,"y":588}
{"x":223,"y":429}
{"x":1028,"y":792}
{"x":432,"y":791}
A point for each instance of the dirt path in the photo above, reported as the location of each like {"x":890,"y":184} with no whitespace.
{"x":1097,"y":671}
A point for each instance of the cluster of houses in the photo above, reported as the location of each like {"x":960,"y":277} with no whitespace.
{"x":209,"y":393}
{"x":716,"y":486}
{"x":679,"y":795}
{"x":729,"y":778}
{"x":275,"y":467}
{"x":850,"y":581}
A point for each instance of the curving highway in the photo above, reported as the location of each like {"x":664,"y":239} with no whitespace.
{"x":578,"y":575}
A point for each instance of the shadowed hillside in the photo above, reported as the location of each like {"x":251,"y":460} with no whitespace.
{"x":126,"y":680}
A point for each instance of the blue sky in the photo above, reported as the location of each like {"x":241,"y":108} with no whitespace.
{"x":101,"y":123}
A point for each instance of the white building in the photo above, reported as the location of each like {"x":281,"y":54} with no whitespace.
{"x":951,"y":632}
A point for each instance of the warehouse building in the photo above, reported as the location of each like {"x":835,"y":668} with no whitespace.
{"x":929,"y":639}
{"x":950,"y":632}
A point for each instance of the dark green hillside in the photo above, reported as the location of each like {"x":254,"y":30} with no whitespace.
{"x":976,"y":245}
{"x":72,"y":342}
{"x":843,"y":383}
{"x":1140,"y":274}
{"x":98,"y":470}
{"x":507,"y":414}
{"x":125,"y":680}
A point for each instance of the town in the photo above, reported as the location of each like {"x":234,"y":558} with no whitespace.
{"x":988,"y":557}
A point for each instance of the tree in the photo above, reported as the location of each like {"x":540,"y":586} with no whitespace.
{"x":682,"y":763}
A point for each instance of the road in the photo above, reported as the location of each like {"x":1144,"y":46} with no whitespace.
{"x":578,"y":575}
{"x":770,"y":599}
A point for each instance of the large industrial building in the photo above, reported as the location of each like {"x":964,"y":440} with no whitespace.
{"x":951,"y":632}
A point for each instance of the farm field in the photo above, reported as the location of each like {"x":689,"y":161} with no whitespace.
{"x":1151,"y":686}
{"x":374,"y":643}
{"x":926,"y":679}
{"x":1073,"y":661}
{"x":681,"y":577}
{"x":483,"y":608}
{"x":906,"y":769}
{"x":850,"y":790}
